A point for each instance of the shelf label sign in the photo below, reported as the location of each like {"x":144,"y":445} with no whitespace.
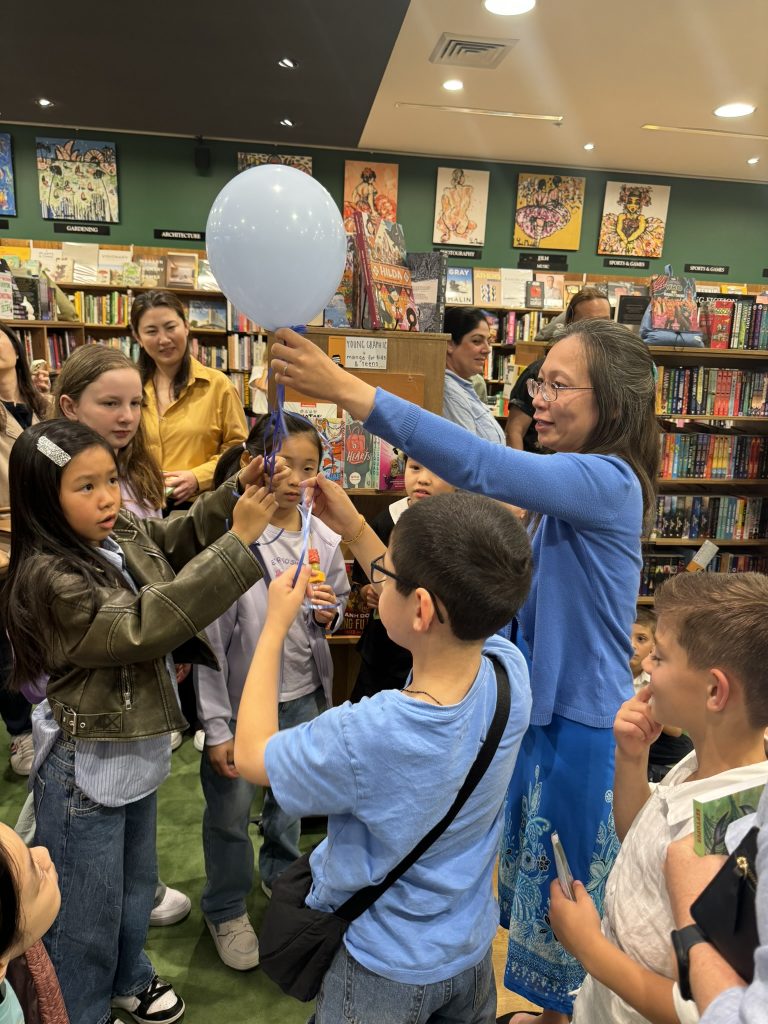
{"x":170,"y":235}
{"x":542,"y":261}
{"x":706,"y":268}
{"x":459,"y":254}
{"x":81,"y":229}
{"x":614,"y":261}
{"x":366,"y":353}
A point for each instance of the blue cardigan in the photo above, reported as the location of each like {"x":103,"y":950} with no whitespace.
{"x":579,"y":614}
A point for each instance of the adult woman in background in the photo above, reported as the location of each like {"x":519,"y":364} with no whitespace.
{"x":192,"y":413}
{"x":467,"y":352}
{"x":594,"y":408}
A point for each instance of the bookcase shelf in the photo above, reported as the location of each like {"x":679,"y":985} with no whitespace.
{"x":722,"y":542}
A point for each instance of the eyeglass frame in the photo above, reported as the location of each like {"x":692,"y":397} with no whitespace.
{"x":537,"y":387}
{"x":376,"y":566}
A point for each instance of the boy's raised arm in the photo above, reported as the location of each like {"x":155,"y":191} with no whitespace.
{"x":634,"y":730}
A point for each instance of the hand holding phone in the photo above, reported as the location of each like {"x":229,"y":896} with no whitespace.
{"x":564,"y":876}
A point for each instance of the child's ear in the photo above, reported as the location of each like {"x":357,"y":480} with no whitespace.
{"x":68,"y":407}
{"x":425,"y":611}
{"x":245,"y":458}
{"x":720,"y":690}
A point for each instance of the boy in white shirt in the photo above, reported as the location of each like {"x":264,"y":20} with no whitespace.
{"x":707,"y":677}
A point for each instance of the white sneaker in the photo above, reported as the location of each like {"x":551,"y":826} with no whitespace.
{"x":157,"y":1004}
{"x":175,"y":739}
{"x":236,"y":942}
{"x":22,"y":753}
{"x":199,"y":741}
{"x":173,"y":908}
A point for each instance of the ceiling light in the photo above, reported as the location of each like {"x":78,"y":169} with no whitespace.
{"x":453,"y":85}
{"x":505,"y":8}
{"x":286,"y":122}
{"x":734,"y":110}
{"x":753,"y":160}
{"x":288,"y":62}
{"x":43,"y":102}
{"x":589,"y":145}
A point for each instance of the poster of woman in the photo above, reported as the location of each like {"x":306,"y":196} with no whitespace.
{"x":461,"y":203}
{"x":634,"y":219}
{"x":549,"y":209}
{"x":7,"y":189}
{"x":370,"y":188}
{"x":77,"y":180}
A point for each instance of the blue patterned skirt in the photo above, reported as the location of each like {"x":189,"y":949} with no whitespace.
{"x":563,"y":782}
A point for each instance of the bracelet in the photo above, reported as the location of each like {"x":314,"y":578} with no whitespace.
{"x":359,"y":534}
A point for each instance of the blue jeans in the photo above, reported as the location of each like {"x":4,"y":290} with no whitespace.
{"x":106,"y":860}
{"x":227,"y":846}
{"x":351,"y":994}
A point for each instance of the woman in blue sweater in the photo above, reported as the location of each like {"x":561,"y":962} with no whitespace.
{"x":594,"y":408}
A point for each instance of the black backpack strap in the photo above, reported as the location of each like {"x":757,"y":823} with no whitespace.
{"x":365,"y":898}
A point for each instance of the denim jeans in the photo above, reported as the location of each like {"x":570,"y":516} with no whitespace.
{"x":106,"y":861}
{"x":227,"y":846}
{"x":351,"y":994}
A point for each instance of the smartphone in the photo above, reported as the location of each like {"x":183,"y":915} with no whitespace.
{"x":564,"y":876}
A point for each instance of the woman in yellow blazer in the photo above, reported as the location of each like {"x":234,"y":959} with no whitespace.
{"x":192,"y":413}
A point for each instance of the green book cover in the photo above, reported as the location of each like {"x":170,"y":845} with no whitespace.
{"x":712,"y":817}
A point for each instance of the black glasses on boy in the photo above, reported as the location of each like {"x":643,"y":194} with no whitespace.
{"x":379,"y":574}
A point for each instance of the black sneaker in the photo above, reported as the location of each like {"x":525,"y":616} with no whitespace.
{"x":157,"y":1004}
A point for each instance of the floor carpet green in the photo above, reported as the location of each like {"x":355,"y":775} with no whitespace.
{"x":184,"y":953}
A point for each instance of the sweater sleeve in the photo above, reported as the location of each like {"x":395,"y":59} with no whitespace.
{"x":584,"y":490}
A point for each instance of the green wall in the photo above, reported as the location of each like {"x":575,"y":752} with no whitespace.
{"x":715,"y":222}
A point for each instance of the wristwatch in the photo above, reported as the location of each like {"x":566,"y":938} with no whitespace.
{"x":682,"y":941}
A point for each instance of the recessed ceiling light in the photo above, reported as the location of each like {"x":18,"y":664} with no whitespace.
{"x":589,"y":145}
{"x":288,"y":62}
{"x":734,"y":110}
{"x":753,"y":160}
{"x":286,"y":122}
{"x":508,"y":7}
{"x":453,"y":85}
{"x":43,"y":102}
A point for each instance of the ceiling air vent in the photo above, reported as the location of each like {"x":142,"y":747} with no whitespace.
{"x":470,"y":51}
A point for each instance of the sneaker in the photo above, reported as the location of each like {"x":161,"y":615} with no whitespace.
{"x":236,"y":942}
{"x":175,"y":739}
{"x":172,"y":908}
{"x":157,"y":1004}
{"x":22,"y":753}
{"x":199,"y":741}
{"x":267,"y":890}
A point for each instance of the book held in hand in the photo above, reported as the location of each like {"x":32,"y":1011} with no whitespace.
{"x":712,"y":817}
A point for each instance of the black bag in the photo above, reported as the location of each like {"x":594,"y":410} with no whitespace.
{"x":725,"y":910}
{"x":296,"y":943}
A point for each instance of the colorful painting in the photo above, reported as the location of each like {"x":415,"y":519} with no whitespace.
{"x":634,"y":219}
{"x":7,"y":189}
{"x":370,"y":188}
{"x":461,"y":203}
{"x":301,"y":163}
{"x":548,"y":213}
{"x":77,"y":180}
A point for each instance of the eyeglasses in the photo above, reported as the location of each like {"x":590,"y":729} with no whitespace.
{"x":549,"y":392}
{"x":379,"y":574}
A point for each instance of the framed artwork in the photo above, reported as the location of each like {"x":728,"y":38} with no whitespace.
{"x":634,"y":219}
{"x":7,"y":185}
{"x":370,"y":188}
{"x":77,"y":180}
{"x":548,"y":212}
{"x":461,"y":203}
{"x":301,"y":163}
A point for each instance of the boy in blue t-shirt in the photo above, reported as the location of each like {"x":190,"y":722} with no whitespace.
{"x":386,"y":770}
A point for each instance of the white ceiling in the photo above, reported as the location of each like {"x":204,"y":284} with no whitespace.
{"x":607,"y":66}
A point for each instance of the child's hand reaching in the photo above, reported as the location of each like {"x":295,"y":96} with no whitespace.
{"x":634,"y":727}
{"x":576,"y":923}
{"x":253,"y":513}
{"x":322,"y":594}
{"x":285,"y":599}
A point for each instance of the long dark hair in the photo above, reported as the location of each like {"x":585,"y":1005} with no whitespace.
{"x":30,"y":396}
{"x":147,"y":366}
{"x":622,"y":373}
{"x":460,"y":320}
{"x":260,"y":441}
{"x":135,"y":463}
{"x":10,"y":904}
{"x":45,"y":545}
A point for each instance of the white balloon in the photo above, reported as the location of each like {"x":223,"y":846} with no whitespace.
{"x":276,"y":244}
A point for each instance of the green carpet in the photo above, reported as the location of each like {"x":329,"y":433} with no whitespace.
{"x":184,"y":953}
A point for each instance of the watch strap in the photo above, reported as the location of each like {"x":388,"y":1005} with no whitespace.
{"x":682,"y":941}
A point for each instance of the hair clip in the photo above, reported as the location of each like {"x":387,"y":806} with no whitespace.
{"x":52,"y":451}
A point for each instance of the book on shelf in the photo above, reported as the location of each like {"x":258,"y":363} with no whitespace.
{"x":513,"y":287}
{"x":391,"y":467}
{"x":108,"y":308}
{"x":34,"y":297}
{"x":429,"y":280}
{"x":208,"y":313}
{"x":494,"y":327}
{"x":714,"y":456}
{"x":239,"y":323}
{"x":554,"y":289}
{"x":726,"y":804}
{"x":486,"y":284}
{"x":712,"y":391}
{"x":357,"y":612}
{"x":458,"y":286}
{"x":181,"y":270}
{"x":131,"y":275}
{"x":390,"y":304}
{"x":615,"y":289}
{"x":112,"y":262}
{"x":6,"y":293}
{"x":630,"y":310}
{"x":57,"y":267}
{"x":361,"y":456}
{"x":213,"y":356}
{"x":152,"y":271}
{"x":710,"y":516}
{"x":206,"y":282}
{"x":534,"y":295}
{"x":344,"y":308}
{"x":673,"y":304}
